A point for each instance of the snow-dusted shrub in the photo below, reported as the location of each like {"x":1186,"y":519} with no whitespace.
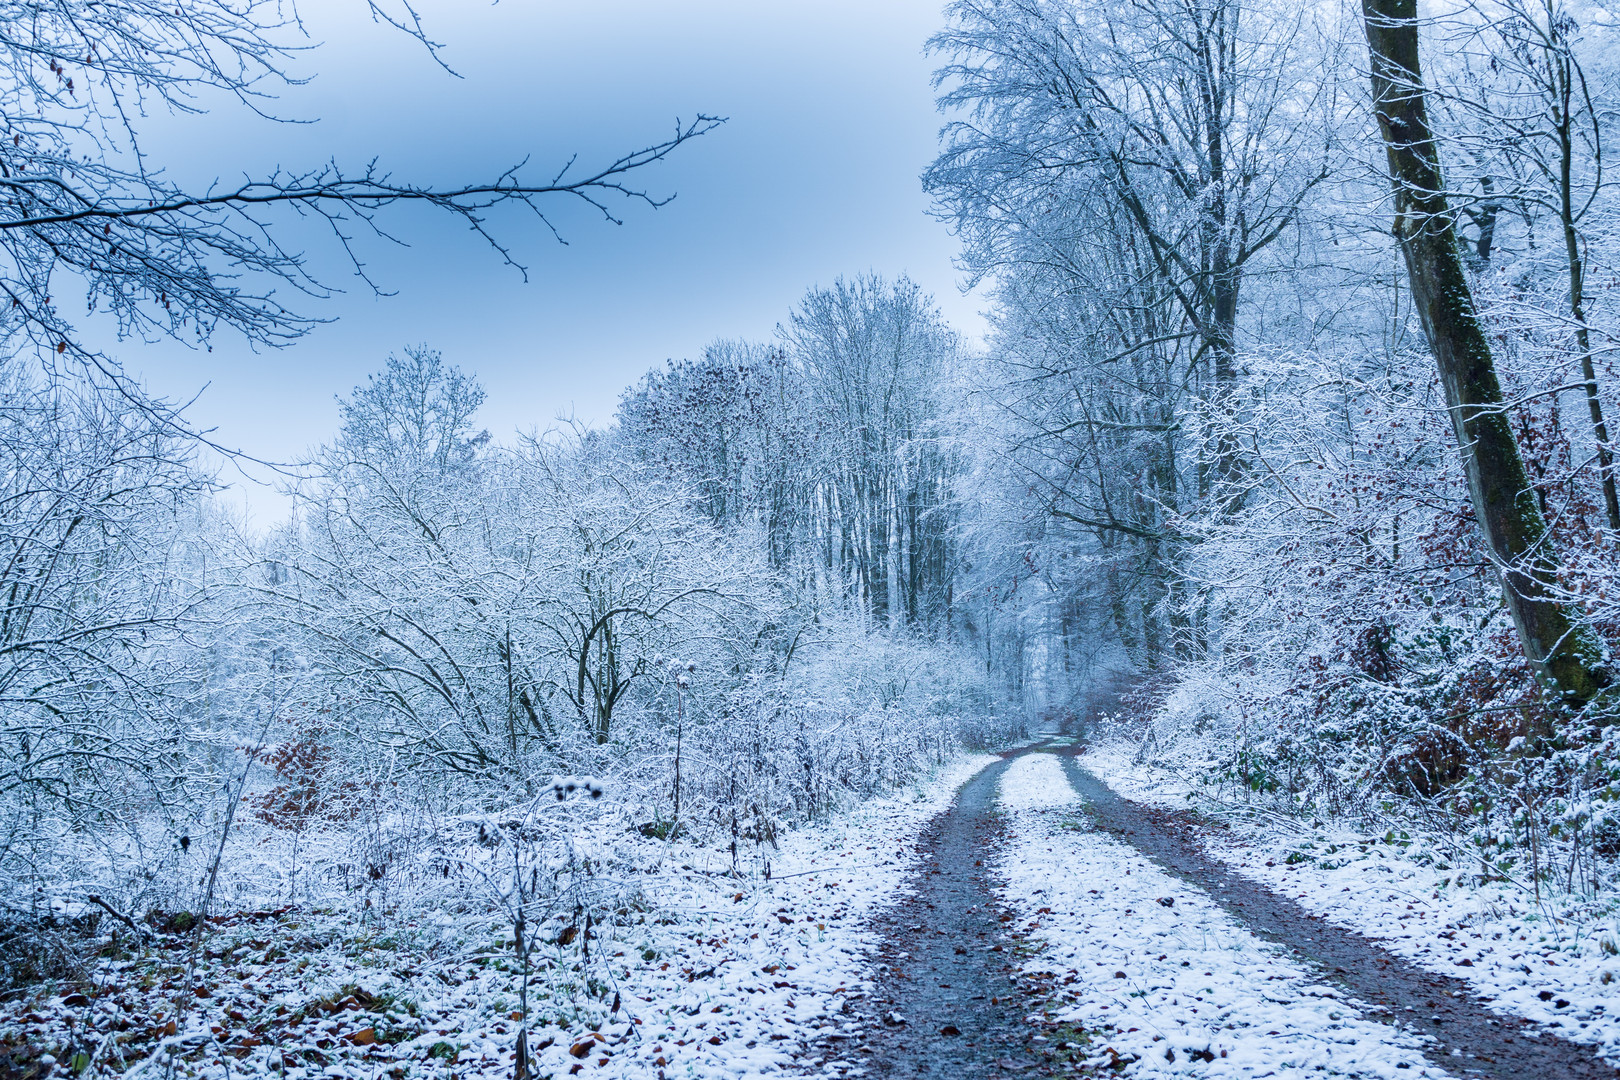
{"x":1360,"y":660}
{"x":851,"y":713}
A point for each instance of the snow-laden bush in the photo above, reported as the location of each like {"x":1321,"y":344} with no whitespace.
{"x":1359,"y":660}
{"x":854,"y":713}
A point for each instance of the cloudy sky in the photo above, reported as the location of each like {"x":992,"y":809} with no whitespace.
{"x":831,"y":119}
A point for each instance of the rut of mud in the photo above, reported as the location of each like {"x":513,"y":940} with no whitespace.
{"x":948,"y":1001}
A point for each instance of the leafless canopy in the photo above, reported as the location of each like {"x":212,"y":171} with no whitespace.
{"x":80,"y":198}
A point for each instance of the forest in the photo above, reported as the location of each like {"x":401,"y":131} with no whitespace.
{"x":1281,"y":496}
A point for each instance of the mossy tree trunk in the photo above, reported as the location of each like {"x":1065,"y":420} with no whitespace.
{"x":1560,"y":649}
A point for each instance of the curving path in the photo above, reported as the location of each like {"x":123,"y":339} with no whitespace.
{"x":948,"y":1002}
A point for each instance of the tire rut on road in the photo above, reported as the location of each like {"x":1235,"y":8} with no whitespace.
{"x":946,"y":964}
{"x":1470,"y":1040}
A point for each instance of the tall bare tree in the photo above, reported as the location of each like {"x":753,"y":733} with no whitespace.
{"x":1535,"y":118}
{"x":1560,"y":648}
{"x":1197,"y":118}
{"x":874,"y":358}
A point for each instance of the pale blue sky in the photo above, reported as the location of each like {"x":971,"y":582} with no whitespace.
{"x":815,"y":175}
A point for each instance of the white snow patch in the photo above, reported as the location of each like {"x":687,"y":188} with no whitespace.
{"x":772,"y":973}
{"x":1523,"y":956}
{"x":1153,"y":979}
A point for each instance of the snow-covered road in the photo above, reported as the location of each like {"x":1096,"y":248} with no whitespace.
{"x":1553,"y":959}
{"x":1158,"y":971}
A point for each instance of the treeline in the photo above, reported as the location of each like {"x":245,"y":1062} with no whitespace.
{"x":734,"y":607}
{"x":835,"y":443}
{"x":1334,"y":569}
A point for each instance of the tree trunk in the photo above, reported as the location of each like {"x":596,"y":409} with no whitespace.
{"x":1559,"y":649}
{"x":1594,"y":406}
{"x":1484,"y":214}
{"x":1564,"y":87}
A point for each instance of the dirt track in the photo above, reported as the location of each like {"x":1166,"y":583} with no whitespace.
{"x":1470,"y":1040}
{"x":947,"y":966}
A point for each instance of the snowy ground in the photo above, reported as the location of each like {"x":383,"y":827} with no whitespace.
{"x":1157,"y":971}
{"x":1555,"y":960}
{"x":721,"y":978}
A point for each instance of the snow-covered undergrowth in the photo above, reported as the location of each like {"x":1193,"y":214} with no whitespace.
{"x":1170,"y":984}
{"x":1552,"y":958}
{"x":699,"y":972}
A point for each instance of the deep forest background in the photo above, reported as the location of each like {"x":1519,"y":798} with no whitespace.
{"x":1201,"y":484}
